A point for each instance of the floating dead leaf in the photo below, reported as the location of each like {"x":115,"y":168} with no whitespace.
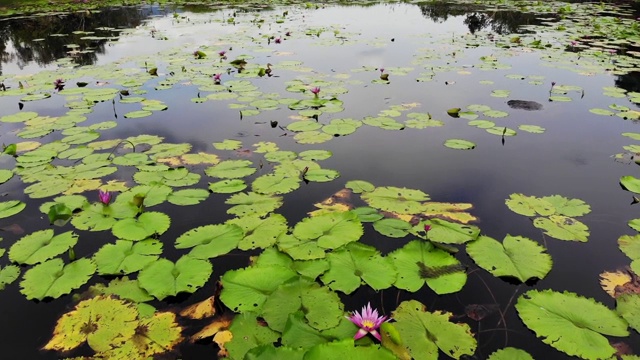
{"x":622,"y":348}
{"x":217,"y":325}
{"x":298,"y":117}
{"x":283,"y":53}
{"x":14,"y":229}
{"x":200,"y":310}
{"x":338,"y":202}
{"x":449,"y":211}
{"x":410,"y":105}
{"x":244,"y":152}
{"x":221,"y":339}
{"x":171,"y":161}
{"x":478,"y":312}
{"x":81,"y":185}
{"x":619,"y":282}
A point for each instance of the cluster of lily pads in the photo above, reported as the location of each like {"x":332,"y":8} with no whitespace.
{"x":287,"y":302}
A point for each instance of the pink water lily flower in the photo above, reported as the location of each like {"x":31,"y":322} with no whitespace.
{"x":216,"y":78}
{"x":104,"y":196}
{"x":368,"y":321}
{"x":278,"y":40}
{"x":58,"y":84}
{"x":315,"y":91}
{"x":222,"y":53}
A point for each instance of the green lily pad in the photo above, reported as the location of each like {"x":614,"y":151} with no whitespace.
{"x":228,"y":186}
{"x":247,"y":289}
{"x":330,"y":230}
{"x":568,"y":207}
{"x":8,"y":274}
{"x":510,"y":353}
{"x":124,"y":288}
{"x":40,"y":246}
{"x":259,"y":232}
{"x":163,"y":278}
{"x":146,"y":225}
{"x":228,"y":145}
{"x":359,"y":186}
{"x":5,"y":175}
{"x":248,"y":333}
{"x":420,"y":262}
{"x":394,"y":228}
{"x":321,"y":175}
{"x":516,"y":256}
{"x":304,"y":125}
{"x":188,"y":196}
{"x":322,"y":307}
{"x":273,"y":184}
{"x":529,"y":205}
{"x":356,"y":263}
{"x":138,"y":114}
{"x":630,"y":183}
{"x":563,"y":228}
{"x":534,"y":129}
{"x":315,"y":155}
{"x":459,"y":144}
{"x":397,"y":200}
{"x":53,"y":278}
{"x":11,"y":207}
{"x":253,"y":204}
{"x":312,"y":137}
{"x":231,"y":169}
{"x":570,"y":323}
{"x":210,"y":241}
{"x":628,"y":306}
{"x":126,"y":257}
{"x":346,"y":349}
{"x":630,"y":246}
{"x":423,"y":333}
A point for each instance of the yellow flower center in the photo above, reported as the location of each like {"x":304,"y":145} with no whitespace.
{"x":368,"y":324}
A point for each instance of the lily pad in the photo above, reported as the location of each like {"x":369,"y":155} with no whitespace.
{"x":210,"y":241}
{"x":163,"y":278}
{"x":516,"y":256}
{"x":424,"y":333}
{"x":570,"y":323}
{"x":420,"y":262}
{"x":11,"y":207}
{"x":397,"y":200}
{"x":146,"y":225}
{"x":355,"y":264}
{"x":126,"y":257}
{"x":53,"y":278}
{"x":563,"y":228}
{"x":40,"y":246}
{"x":459,"y":144}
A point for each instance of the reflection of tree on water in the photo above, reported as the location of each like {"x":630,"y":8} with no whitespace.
{"x":17,"y":35}
{"x":476,"y":19}
{"x":629,"y":82}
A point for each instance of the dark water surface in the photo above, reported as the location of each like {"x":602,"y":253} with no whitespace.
{"x":573,"y":158}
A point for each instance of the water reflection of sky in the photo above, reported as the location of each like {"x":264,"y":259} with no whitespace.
{"x":572,"y":158}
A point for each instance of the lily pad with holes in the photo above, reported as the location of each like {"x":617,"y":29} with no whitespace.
{"x":563,"y":228}
{"x":529,"y":205}
{"x":258,"y":232}
{"x":228,"y":186}
{"x":253,"y":204}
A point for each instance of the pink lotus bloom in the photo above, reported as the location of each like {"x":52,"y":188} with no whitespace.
{"x":612,"y":51}
{"x":278,"y":40}
{"x":216,"y":78}
{"x":381,"y":70}
{"x":104,"y":196}
{"x":315,"y":91}
{"x":427,"y":228}
{"x":222,"y":53}
{"x":574,"y":43}
{"x":368,"y":321}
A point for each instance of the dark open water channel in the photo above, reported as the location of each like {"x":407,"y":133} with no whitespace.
{"x":574,"y":157}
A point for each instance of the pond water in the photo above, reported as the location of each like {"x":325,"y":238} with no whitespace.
{"x":407,"y":77}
